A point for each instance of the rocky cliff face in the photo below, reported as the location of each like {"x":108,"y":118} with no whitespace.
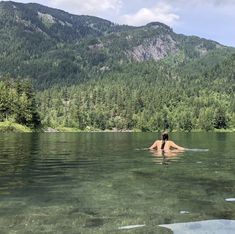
{"x":154,"y":49}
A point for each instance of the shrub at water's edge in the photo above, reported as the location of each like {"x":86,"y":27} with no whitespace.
{"x":8,"y":126}
{"x":18,"y":104}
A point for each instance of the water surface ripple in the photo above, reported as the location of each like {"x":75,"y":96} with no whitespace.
{"x":108,"y":182}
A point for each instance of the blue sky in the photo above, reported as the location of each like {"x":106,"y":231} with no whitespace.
{"x":211,"y":19}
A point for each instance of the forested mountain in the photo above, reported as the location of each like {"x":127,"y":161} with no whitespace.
{"x":51,"y":46}
{"x":90,"y":73}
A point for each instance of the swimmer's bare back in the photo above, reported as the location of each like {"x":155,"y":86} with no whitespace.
{"x":169,"y":145}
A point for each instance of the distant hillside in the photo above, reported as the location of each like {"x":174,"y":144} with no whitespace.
{"x":148,"y":96}
{"x":52,"y":47}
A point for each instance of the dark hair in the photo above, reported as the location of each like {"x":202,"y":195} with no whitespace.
{"x":165,"y":138}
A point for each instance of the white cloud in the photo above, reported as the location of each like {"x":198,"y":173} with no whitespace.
{"x":162,"y":12}
{"x":92,"y":7}
{"x":203,"y":2}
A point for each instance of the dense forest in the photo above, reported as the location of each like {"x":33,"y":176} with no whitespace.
{"x":65,"y":71}
{"x":145,"y":96}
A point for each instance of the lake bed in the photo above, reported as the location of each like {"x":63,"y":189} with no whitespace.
{"x":103,"y":182}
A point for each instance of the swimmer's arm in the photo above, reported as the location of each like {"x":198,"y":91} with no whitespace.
{"x":153,"y":146}
{"x":173,"y":145}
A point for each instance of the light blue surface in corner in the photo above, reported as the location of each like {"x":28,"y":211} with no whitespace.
{"x":220,"y":226}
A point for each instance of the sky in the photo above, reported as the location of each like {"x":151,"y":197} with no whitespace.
{"x":210,"y":19}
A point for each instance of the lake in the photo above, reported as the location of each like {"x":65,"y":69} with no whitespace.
{"x":108,"y":183}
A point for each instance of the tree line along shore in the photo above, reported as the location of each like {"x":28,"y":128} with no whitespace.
{"x":139,"y":97}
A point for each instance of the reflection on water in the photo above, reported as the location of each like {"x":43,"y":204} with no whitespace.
{"x":98,"y":182}
{"x":165,"y":157}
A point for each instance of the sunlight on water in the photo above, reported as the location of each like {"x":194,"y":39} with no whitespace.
{"x":102,"y":183}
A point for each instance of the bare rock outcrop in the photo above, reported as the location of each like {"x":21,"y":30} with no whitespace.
{"x":156,"y":48}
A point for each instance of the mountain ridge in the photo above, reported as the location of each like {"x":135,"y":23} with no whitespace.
{"x":51,"y":46}
{"x":91,"y":74}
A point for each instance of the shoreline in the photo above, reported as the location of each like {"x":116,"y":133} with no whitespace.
{"x":11,"y":127}
{"x":65,"y":129}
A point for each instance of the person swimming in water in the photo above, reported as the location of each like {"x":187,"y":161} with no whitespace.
{"x":165,"y":145}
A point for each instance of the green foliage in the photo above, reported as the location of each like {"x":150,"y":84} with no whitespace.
{"x":145,"y":96}
{"x":8,"y":126}
{"x":205,"y":119}
{"x":17,"y":103}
